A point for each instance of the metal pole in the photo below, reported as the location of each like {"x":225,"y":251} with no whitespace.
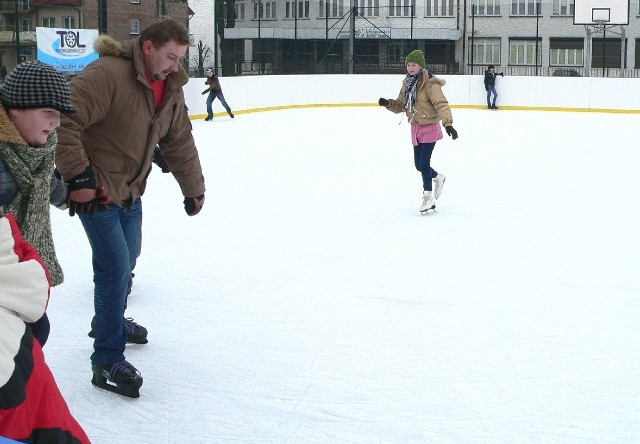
{"x":352,"y":37}
{"x":623,"y":44}
{"x":537,"y":29}
{"x":412,"y":14}
{"x":473,"y":25}
{"x":17,"y":34}
{"x":260,"y":61}
{"x":215,"y":39}
{"x":604,"y":46}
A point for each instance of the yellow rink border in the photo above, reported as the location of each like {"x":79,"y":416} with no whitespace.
{"x":353,"y":105}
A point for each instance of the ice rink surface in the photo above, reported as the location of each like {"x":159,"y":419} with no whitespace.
{"x":310,"y":302}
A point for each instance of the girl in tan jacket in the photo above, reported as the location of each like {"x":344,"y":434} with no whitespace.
{"x":425,"y":105}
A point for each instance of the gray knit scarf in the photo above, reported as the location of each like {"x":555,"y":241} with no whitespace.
{"x":32,"y":168}
{"x":410,"y":83}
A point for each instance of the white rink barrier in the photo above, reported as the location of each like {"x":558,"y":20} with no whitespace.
{"x":263,"y":93}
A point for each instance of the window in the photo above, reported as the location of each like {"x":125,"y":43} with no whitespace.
{"x":239,"y":8}
{"x":135,"y":26}
{"x":523,"y":52}
{"x":369,"y":8}
{"x":485,"y":51}
{"x":566,"y":52}
{"x":69,"y":22}
{"x":439,"y":8}
{"x":609,"y":50}
{"x":487,"y":7}
{"x":335,"y":8}
{"x":397,"y":51}
{"x":563,"y":8}
{"x":302,"y":11}
{"x":525,"y":7}
{"x":48,"y":22}
{"x":401,"y":8}
{"x":27,"y":25}
{"x":267,"y":9}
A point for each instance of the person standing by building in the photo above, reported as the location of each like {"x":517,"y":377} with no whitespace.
{"x":425,"y":105}
{"x":215,"y":90}
{"x":127,"y":102}
{"x":490,"y":86}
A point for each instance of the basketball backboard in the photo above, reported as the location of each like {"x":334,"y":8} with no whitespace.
{"x":607,"y":12}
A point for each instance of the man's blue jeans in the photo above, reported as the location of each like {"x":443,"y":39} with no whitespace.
{"x":211,"y":98}
{"x":115,"y":235}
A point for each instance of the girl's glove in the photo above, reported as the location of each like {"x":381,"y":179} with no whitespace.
{"x":383,"y":102}
{"x":451,"y":132}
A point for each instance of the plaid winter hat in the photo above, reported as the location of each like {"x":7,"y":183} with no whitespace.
{"x":36,"y":85}
{"x":416,"y":57}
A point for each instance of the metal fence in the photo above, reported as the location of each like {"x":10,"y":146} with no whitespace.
{"x":244,"y":68}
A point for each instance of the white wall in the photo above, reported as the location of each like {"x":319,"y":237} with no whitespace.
{"x":250,"y":93}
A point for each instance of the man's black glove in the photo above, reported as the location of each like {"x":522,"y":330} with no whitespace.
{"x":451,"y":132}
{"x":501,"y":74}
{"x":383,"y":102}
{"x":82,"y":193}
{"x":193,"y":205}
{"x":84,"y":197}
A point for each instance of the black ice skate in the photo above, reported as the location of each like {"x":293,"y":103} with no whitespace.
{"x":136,"y":334}
{"x":121,"y":378}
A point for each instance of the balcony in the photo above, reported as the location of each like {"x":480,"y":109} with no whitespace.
{"x":8,"y":35}
{"x":10,"y":7}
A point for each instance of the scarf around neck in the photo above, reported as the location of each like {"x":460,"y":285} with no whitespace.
{"x":32,"y":168}
{"x":410,"y":83}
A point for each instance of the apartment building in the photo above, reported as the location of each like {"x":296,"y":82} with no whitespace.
{"x":457,"y":36}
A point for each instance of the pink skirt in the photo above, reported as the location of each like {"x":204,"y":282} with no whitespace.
{"x":428,"y":133}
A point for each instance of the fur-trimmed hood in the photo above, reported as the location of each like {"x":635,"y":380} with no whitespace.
{"x":430,"y":78}
{"x":8,"y":131}
{"x":107,"y":46}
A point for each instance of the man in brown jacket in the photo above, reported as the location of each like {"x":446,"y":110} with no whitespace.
{"x":127,"y":102}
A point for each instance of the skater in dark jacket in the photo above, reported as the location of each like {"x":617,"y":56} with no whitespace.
{"x":215,"y":91}
{"x":490,"y":85}
{"x":425,"y":105}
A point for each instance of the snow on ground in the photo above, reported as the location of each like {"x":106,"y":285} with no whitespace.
{"x":310,"y":302}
